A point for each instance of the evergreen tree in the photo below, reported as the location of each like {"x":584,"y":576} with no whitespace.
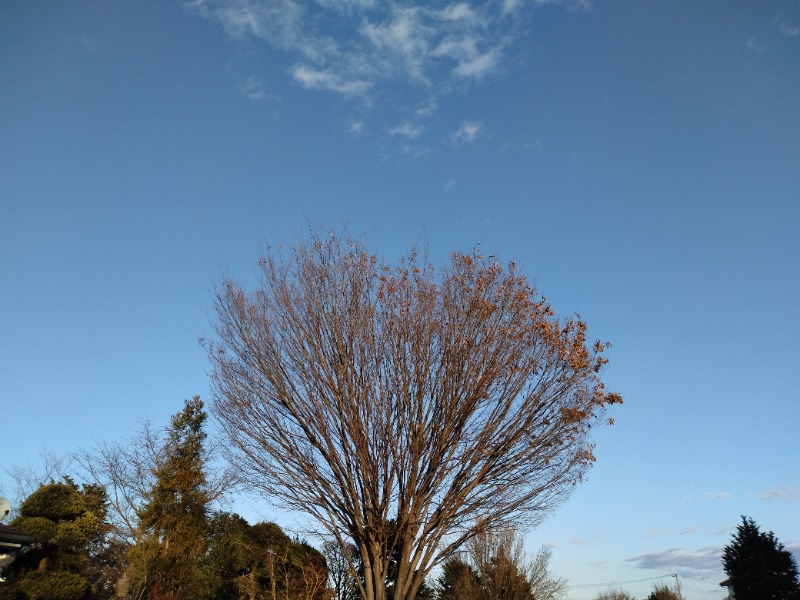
{"x":229,"y":562}
{"x":758,"y":566}
{"x":68,"y":524}
{"x":169,"y":562}
{"x":261,"y":562}
{"x":458,"y":581}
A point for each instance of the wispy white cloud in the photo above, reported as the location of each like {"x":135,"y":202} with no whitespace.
{"x":405,"y":38}
{"x":467,"y":133}
{"x":278,"y":21}
{"x":253,"y":89}
{"x":510,"y":7}
{"x":470,"y":60}
{"x":786,"y":493}
{"x":407,"y":130}
{"x":315,"y":79}
{"x":350,"y":46}
{"x":460,"y":11}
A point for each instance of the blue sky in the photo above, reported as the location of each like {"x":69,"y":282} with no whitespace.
{"x":639,"y":159}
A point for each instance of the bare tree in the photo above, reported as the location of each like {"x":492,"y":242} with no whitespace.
{"x":663,"y":591}
{"x":404,"y":409}
{"x":501,"y":564}
{"x":545,"y":585}
{"x":127,"y":470}
{"x":28,"y":478}
{"x":315,"y":576}
{"x":614,"y":595}
{"x":340,"y":574}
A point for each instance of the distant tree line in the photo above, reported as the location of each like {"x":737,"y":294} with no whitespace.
{"x":144,"y":529}
{"x":148,"y":531}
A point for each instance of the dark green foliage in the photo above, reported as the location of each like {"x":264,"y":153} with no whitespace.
{"x":57,"y":502}
{"x":758,"y":566}
{"x":68,"y":524}
{"x":54,"y":585}
{"x":458,"y":581}
{"x":260,"y":561}
{"x":169,"y":565}
{"x":425,"y":592}
{"x":42,"y":528}
{"x":228,"y":560}
{"x":186,"y":553}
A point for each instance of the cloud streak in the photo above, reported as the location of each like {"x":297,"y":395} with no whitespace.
{"x":710,"y":496}
{"x":328,"y":80}
{"x":704,"y":562}
{"x":786,"y":493}
{"x":717,"y":495}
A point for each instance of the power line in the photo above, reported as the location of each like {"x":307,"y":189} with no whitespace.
{"x":614,"y":583}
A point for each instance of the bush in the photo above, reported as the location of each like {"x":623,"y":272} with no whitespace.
{"x":57,"y":501}
{"x":42,"y":528}
{"x":54,"y":585}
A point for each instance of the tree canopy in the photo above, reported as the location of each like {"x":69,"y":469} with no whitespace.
{"x":495,"y":566}
{"x":758,"y":566}
{"x":662,"y":591}
{"x":441,"y":400}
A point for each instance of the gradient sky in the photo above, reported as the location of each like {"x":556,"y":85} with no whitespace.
{"x":639,"y":159}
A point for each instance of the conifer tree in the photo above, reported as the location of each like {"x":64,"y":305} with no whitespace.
{"x":758,"y":565}
{"x":169,"y":563}
{"x":458,"y":581}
